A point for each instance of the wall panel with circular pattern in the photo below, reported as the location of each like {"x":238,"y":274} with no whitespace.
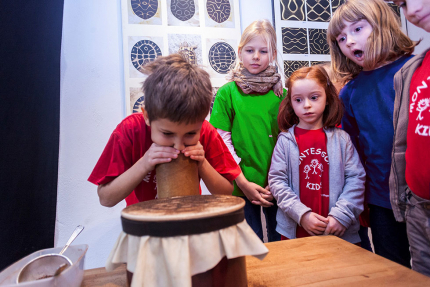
{"x":183,"y":9}
{"x":221,"y":57}
{"x":144,"y":9}
{"x":144,"y":52}
{"x":218,"y":10}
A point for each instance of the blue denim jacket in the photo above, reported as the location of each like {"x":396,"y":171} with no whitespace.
{"x":346,"y":183}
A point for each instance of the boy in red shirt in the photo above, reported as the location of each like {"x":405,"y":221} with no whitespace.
{"x":410,"y":168}
{"x":177,"y":100}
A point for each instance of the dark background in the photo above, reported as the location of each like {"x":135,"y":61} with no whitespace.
{"x":30,"y":46}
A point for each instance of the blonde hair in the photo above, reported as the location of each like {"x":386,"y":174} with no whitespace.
{"x":264,"y":29}
{"x":386,"y":43}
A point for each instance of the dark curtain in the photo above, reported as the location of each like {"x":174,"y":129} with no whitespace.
{"x":30,"y":46}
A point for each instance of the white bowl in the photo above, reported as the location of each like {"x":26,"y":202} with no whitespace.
{"x":71,"y":277}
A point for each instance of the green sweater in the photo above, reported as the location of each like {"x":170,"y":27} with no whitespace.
{"x":252,"y":121}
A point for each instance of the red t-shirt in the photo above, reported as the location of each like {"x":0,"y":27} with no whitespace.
{"x":130,"y":141}
{"x":418,"y":134}
{"x":314,"y":172}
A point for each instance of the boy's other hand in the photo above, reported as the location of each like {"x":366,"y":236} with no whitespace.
{"x":313,"y":223}
{"x":334,"y":227}
{"x":157,"y":154}
{"x":195,"y":152}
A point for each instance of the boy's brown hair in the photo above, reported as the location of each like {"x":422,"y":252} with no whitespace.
{"x":385,"y":44}
{"x":176,"y":90}
{"x":333,"y":111}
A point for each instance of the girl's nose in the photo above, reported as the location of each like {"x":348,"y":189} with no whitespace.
{"x":349,"y":41}
{"x":256,"y":56}
{"x":307,"y":104}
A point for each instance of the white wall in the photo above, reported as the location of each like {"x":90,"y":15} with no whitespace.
{"x":92,"y":104}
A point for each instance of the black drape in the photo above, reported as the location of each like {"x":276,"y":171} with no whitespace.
{"x":30,"y":45}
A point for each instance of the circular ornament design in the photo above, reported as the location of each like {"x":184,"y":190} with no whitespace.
{"x":138,"y":104}
{"x":221,"y":57}
{"x":143,"y":52}
{"x":218,"y":10}
{"x":183,"y":9}
{"x":144,"y":9}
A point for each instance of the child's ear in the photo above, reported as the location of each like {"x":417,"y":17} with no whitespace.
{"x":239,"y":50}
{"x":145,"y":116}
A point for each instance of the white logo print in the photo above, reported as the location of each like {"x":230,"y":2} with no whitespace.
{"x":306,"y":170}
{"x":314,"y":164}
{"x":422,"y":106}
{"x":320,"y":166}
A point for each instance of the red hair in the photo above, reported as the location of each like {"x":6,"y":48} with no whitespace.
{"x":333,"y":112}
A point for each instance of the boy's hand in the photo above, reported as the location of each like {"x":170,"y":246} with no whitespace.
{"x":195,"y":152}
{"x":157,"y":154}
{"x":334,"y":227}
{"x":314,"y":223}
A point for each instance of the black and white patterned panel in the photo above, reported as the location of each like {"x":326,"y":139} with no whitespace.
{"x":293,"y":10}
{"x":303,"y":29}
{"x":294,"y":41}
{"x":291,"y":66}
{"x":318,"y":42}
{"x":318,"y":10}
{"x":335,"y":4}
{"x":313,"y":63}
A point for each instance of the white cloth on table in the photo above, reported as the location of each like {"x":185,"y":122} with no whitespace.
{"x":171,"y":261}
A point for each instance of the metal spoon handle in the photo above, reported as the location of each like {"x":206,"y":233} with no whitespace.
{"x":74,"y":234}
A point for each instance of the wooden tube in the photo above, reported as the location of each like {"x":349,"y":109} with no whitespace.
{"x":179,"y":177}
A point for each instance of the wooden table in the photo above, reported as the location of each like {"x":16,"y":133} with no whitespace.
{"x":311,"y":261}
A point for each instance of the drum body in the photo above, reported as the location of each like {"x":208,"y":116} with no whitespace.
{"x":178,"y":177}
{"x":191,"y":215}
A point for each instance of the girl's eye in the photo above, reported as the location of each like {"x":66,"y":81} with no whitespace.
{"x":167,"y":134}
{"x":358,"y":29}
{"x":314,"y":97}
{"x":298,"y":100}
{"x":264,"y":52}
{"x":341,"y":39}
{"x":249,"y":51}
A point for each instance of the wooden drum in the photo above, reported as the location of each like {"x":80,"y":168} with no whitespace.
{"x":178,"y":177}
{"x":191,"y":215}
